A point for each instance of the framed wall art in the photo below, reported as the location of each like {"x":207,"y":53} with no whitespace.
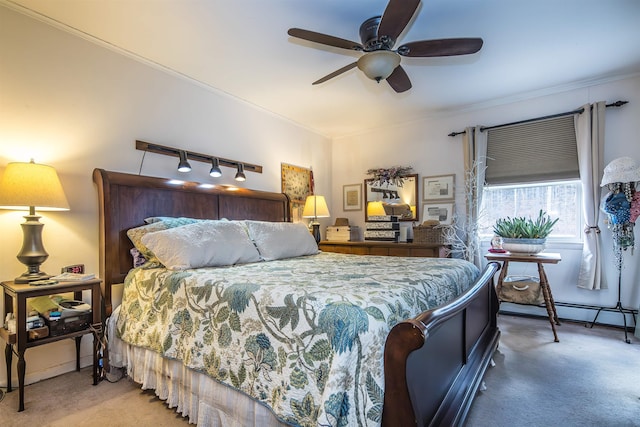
{"x":352,"y":197}
{"x":437,"y":188}
{"x":442,"y":212}
{"x":297,"y":183}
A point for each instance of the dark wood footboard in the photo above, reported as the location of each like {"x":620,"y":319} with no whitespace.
{"x":435,"y":362}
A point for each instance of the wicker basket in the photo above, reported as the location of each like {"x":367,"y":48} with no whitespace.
{"x":424,"y":234}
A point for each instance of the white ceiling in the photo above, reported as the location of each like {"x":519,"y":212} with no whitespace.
{"x":241,"y":47}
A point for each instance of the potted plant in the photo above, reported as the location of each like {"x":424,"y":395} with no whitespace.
{"x":524,"y":235}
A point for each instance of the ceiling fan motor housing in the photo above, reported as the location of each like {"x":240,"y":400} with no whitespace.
{"x":369,"y":35}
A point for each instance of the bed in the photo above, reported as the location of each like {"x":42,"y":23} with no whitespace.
{"x":368,"y":358}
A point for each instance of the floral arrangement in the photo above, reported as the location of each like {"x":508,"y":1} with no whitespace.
{"x":392,"y":176}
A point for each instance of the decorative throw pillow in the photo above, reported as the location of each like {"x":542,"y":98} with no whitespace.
{"x":138,"y":258}
{"x":155,"y":224}
{"x":136,"y":234}
{"x":202,"y":244}
{"x":172,"y":221}
{"x":277,"y":240}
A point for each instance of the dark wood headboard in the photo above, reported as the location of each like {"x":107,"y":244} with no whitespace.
{"x":125,"y":200}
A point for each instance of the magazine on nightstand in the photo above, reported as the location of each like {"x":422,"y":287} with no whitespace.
{"x":73,"y":277}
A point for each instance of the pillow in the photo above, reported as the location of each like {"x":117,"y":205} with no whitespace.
{"x":138,"y":258}
{"x":277,"y":240}
{"x":136,"y":234}
{"x":202,"y":244}
{"x":171,"y":221}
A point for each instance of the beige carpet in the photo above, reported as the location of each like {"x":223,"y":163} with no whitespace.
{"x":590,"y":378}
{"x":72,"y":400}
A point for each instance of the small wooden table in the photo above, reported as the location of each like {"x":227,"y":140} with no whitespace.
{"x":15,"y":301}
{"x":540,"y":259}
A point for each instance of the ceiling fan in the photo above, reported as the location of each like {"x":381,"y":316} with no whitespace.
{"x":378,"y":36}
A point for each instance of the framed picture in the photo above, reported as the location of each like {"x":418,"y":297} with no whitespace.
{"x":352,"y":197}
{"x":439,"y":187}
{"x":297,"y":183}
{"x":442,"y":212}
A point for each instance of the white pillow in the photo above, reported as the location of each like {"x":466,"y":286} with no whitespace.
{"x":202,"y":244}
{"x":277,"y":240}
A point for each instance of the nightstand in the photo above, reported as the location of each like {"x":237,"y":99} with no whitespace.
{"x":15,"y":301}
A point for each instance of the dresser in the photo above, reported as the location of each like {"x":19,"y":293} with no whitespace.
{"x":369,"y":247}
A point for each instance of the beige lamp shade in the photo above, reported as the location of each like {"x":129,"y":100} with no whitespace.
{"x":315,"y":207}
{"x":25,"y":185}
{"x":375,"y":209}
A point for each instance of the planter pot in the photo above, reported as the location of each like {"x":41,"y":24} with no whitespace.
{"x":523,"y":246}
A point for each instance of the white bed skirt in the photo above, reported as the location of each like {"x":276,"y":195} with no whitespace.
{"x":205,"y":401}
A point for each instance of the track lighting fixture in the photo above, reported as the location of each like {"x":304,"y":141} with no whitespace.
{"x":184,"y":165}
{"x":185,"y":156}
{"x":215,"y":171}
{"x":240,"y":174}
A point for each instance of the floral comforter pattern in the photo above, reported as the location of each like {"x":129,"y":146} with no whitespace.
{"x":304,"y":336}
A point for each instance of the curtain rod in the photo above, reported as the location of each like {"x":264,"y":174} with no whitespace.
{"x":552,"y":116}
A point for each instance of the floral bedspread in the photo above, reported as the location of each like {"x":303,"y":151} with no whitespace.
{"x":304,"y":336}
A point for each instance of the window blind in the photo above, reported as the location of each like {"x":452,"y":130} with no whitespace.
{"x":539,"y":151}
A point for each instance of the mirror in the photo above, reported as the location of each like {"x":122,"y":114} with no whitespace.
{"x":389,"y":199}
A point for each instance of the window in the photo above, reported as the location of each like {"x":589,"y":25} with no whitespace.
{"x":560,"y":199}
{"x":533,"y":166}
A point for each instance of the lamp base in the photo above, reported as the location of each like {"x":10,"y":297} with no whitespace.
{"x":316,"y":231}
{"x":32,"y":253}
{"x":31,"y":276}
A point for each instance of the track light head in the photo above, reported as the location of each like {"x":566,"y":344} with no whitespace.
{"x":184,"y":165}
{"x":240,"y":174}
{"x":215,"y":171}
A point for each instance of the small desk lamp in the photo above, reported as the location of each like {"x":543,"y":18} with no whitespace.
{"x":315,"y":207}
{"x":25,"y":186}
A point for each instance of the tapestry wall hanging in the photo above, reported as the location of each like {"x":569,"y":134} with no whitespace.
{"x":297,"y":183}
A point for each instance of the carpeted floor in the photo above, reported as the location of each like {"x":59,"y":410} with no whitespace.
{"x":590,"y":378}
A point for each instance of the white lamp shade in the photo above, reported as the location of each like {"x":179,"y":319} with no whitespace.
{"x":25,"y":185}
{"x":315,"y":207}
{"x":379,"y":64}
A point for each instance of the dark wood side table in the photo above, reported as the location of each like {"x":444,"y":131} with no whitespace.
{"x":540,"y":259}
{"x":15,"y":301}
{"x":372,"y":247}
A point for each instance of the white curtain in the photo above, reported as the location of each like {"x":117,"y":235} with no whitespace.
{"x":475,"y":154}
{"x":590,"y":139}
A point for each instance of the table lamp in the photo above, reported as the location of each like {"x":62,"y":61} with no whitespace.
{"x":315,"y":207}
{"x":27,"y":186}
{"x":375,"y":209}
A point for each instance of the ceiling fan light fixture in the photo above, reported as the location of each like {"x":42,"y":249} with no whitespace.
{"x":379,"y":64}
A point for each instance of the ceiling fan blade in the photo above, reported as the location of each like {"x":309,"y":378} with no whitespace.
{"x":396,"y":17}
{"x":399,"y":80}
{"x":336,"y":73}
{"x":441,"y":47}
{"x":325,"y":39}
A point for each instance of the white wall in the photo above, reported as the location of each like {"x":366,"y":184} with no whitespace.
{"x":77,"y":106}
{"x":425,"y":146}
